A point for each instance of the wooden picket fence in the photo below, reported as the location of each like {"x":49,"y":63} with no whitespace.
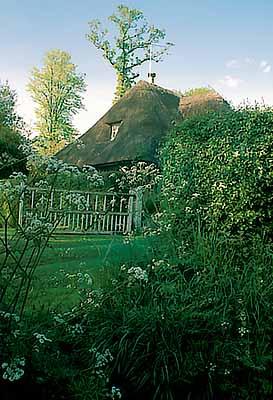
{"x":83,"y":212}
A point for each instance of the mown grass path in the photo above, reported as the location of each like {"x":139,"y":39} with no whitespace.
{"x":71,"y":262}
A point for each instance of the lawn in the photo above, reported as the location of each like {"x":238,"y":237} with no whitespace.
{"x":70,"y":263}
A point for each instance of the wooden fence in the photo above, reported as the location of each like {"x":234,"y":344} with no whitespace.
{"x":83,"y":212}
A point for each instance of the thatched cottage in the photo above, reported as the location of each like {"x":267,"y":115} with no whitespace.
{"x":134,"y":126}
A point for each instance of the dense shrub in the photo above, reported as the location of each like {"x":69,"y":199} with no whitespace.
{"x":12,"y":158}
{"x":219,"y":168}
{"x":48,"y":171}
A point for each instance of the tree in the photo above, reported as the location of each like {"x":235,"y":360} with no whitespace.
{"x":8,"y":115}
{"x":12,"y":129}
{"x":131,"y":48}
{"x":57,"y":90}
{"x":12,"y":156}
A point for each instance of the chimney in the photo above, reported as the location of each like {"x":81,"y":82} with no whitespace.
{"x":151,"y":76}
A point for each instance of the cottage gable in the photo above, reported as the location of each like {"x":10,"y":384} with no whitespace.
{"x":133,"y":127}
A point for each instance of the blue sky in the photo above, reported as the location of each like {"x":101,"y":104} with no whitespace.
{"x":226,"y":44}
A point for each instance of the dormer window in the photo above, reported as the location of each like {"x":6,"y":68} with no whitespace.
{"x":114,"y":129}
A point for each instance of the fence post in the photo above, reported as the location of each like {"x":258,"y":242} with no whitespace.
{"x":138,"y":208}
{"x":130,"y":212}
{"x":21,"y":209}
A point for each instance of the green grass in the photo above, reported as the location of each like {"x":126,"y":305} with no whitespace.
{"x":100,"y":257}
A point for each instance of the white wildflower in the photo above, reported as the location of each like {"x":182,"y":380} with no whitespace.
{"x":115,"y":393}
{"x":14,"y":370}
{"x":41,"y":338}
{"x":137,"y":274}
{"x":243,"y":331}
{"x":101,"y":361}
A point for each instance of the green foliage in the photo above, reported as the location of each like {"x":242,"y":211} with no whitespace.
{"x":139,"y":176}
{"x":217,"y":169}
{"x":130,"y":48}
{"x":192,"y":319}
{"x":57,"y":90}
{"x":198,"y":91}
{"x":199,"y":326}
{"x":8,"y":115}
{"x":12,"y":129}
{"x":47,"y":172}
{"x":175,"y":333}
{"x":68,"y":262}
{"x":12,"y":157}
{"x":20,"y":255}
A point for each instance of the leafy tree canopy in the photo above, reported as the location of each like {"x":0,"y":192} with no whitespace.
{"x":57,"y":90}
{"x":129,"y":44}
{"x":12,"y":129}
{"x":9,"y":117}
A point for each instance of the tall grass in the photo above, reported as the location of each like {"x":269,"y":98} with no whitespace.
{"x":200,"y":328}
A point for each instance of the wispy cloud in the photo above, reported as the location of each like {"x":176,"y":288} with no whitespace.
{"x":230,"y":81}
{"x":267,"y":69}
{"x":249,"y":61}
{"x":232,"y":63}
{"x":265,"y":66}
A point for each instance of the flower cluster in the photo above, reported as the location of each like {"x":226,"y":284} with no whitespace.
{"x":92,"y":176}
{"x":137,"y":274}
{"x":44,"y":166}
{"x":243,"y":328}
{"x":79,"y":279}
{"x":14,"y":187}
{"x":67,"y":320}
{"x":115,"y":393}
{"x":94,"y":298}
{"x":44,"y":163}
{"x":14,"y":370}
{"x":102,"y":360}
{"x":8,"y":315}
{"x":41,"y":338}
{"x":76,"y":200}
{"x":141,"y":175}
{"x":38,"y":226}
{"x":75,"y":330}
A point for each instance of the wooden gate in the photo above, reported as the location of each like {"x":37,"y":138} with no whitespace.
{"x":83,"y":212}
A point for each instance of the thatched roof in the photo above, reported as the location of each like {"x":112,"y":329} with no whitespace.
{"x":203,"y":102}
{"x":145,"y":115}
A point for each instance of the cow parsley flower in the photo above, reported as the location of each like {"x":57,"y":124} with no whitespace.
{"x":137,"y":274}
{"x":41,"y":338}
{"x":102,"y":360}
{"x":115,"y":393}
{"x":13,"y":370}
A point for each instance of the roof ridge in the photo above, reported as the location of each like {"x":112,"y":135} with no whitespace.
{"x":142,"y":84}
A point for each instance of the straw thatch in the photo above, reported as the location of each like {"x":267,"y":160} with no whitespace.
{"x":145,"y":115}
{"x":204,"y":102}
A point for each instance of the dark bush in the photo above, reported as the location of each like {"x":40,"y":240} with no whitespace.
{"x":12,"y":158}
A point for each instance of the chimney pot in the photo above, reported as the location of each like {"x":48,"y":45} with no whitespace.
{"x":151,"y":76}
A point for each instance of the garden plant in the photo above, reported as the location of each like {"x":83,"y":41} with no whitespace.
{"x":193,"y":319}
